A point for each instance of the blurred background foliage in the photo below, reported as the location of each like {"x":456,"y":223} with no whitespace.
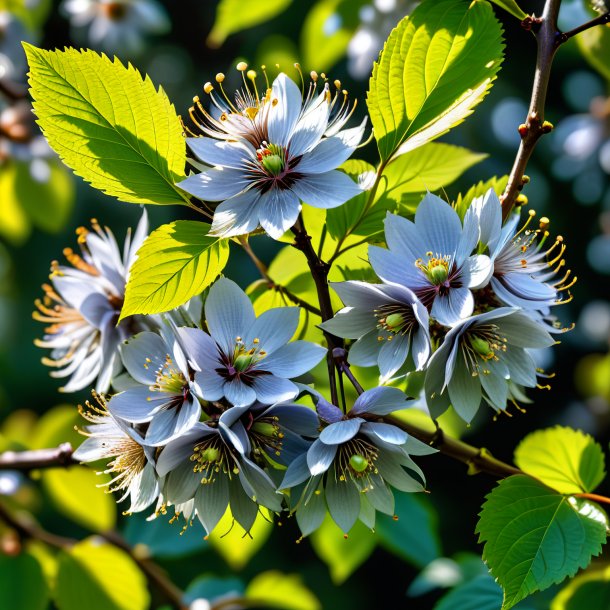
{"x":410,"y":561}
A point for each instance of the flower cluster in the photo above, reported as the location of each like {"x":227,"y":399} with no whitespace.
{"x":209,"y":416}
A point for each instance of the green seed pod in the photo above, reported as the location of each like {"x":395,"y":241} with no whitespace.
{"x":358,"y":463}
{"x":264,"y":429}
{"x":438,"y":274}
{"x":481,"y":346}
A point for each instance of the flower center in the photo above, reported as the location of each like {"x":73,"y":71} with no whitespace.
{"x":395,"y":318}
{"x":245,"y":357}
{"x":169,"y":379}
{"x":356,"y":460}
{"x":358,"y":463}
{"x":272,"y":158}
{"x":436,"y":268}
{"x":266,"y":435}
{"x":480,"y":346}
{"x":114,"y":10}
{"x":210,"y":457}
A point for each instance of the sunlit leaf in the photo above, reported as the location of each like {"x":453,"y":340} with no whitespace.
{"x":234,"y":545}
{"x":567,"y":460}
{"x":14,"y":223}
{"x":594,"y":44}
{"x":436,"y":66}
{"x":22,"y":583}
{"x":98,"y":576}
{"x":512,"y":7}
{"x":113,"y":128}
{"x":276,"y":590}
{"x":343,"y":555}
{"x":429,"y":168}
{"x":176,"y":262}
{"x":463,"y":202}
{"x":236,"y":15}
{"x":535,"y":537}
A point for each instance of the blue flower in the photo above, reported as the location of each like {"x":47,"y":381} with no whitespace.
{"x":244,"y":358}
{"x":522,"y":267}
{"x":388,"y":322}
{"x":132,"y":467}
{"x":484,"y":358}
{"x":432,"y":257}
{"x":164,"y":400}
{"x":269,"y":154}
{"x":82,"y":305}
{"x":350,"y":467}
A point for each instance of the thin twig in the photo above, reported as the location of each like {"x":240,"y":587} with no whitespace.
{"x":340,"y":356}
{"x":594,"y":498}
{"x":319,"y":271}
{"x":478,"y":459}
{"x":58,"y":457}
{"x":26,"y":529}
{"x":271,"y":284}
{"x":548,"y":40}
{"x":600,"y":20}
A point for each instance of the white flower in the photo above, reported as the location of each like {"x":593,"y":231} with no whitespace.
{"x":269,"y":154}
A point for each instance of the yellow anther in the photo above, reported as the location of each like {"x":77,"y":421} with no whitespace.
{"x":251,"y":74}
{"x":242,"y":66}
{"x":220,"y":77}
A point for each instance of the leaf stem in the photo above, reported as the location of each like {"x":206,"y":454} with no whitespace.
{"x":594,"y":498}
{"x":478,"y":459}
{"x":56,"y":457}
{"x":319,"y":271}
{"x":548,"y":41}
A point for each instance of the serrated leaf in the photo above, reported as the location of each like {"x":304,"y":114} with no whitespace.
{"x":276,"y":590}
{"x":236,"y":15}
{"x":512,"y":7}
{"x":22,"y":583}
{"x":342,"y":555}
{"x":414,"y":535}
{"x":589,"y":591}
{"x":462,"y":203}
{"x":231,"y":542}
{"x":113,"y":128}
{"x":436,"y":66}
{"x":535,"y":537}
{"x":429,"y":168}
{"x":175,"y":262}
{"x":565,"y":459}
{"x":98,"y":576}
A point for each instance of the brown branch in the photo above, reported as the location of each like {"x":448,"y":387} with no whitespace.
{"x":26,"y":529}
{"x":478,"y":459}
{"x":548,"y":41}
{"x":58,"y":457}
{"x":594,"y":498}
{"x":600,"y":20}
{"x":319,"y":271}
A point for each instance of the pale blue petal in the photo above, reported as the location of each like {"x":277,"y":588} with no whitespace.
{"x":328,"y":190}
{"x":464,"y":392}
{"x":341,"y":431}
{"x":365,"y":351}
{"x":180,"y":450}
{"x":238,"y":393}
{"x":521,"y":366}
{"x":367,"y":512}
{"x":293,"y":359}
{"x":278,"y":210}
{"x":200,"y":348}
{"x":284,"y":114}
{"x":236,"y":436}
{"x":295,"y":417}
{"x":262,"y":485}
{"x":477,"y":271}
{"x":328,"y":412}
{"x":310,"y":515}
{"x":385,"y":432}
{"x":380,"y":401}
{"x":495,"y":387}
{"x":392,"y":355}
{"x":390,"y":469}
{"x":404,"y":239}
{"x":380,"y":496}
{"x":137,"y":405}
{"x":350,"y":323}
{"x":274,"y":328}
{"x":244,"y":511}
{"x":521,"y":331}
{"x":229,"y":313}
{"x":271,"y":389}
{"x":216,"y":184}
{"x":311,"y":126}
{"x":144,"y":490}
{"x":211,"y":501}
{"x":209,"y":385}
{"x":181,"y":484}
{"x":320,"y":457}
{"x":420,"y":349}
{"x":296,"y":473}
{"x":218,"y":152}
{"x":393,"y":268}
{"x":143,"y":355}
{"x":439,"y":225}
{"x":450,"y":309}
{"x":343,"y":500}
{"x":237,"y":215}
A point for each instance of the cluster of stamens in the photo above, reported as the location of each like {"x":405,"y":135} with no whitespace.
{"x":355,"y":460}
{"x":211,"y":456}
{"x":395,"y":318}
{"x":480,"y":345}
{"x":244,"y":357}
{"x":265,"y":432}
{"x":436,"y":268}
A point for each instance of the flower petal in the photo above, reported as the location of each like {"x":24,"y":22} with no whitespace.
{"x":311,"y":125}
{"x":238,"y":393}
{"x":271,"y":389}
{"x":143,"y":355}
{"x":278,"y":210}
{"x":137,"y":405}
{"x":392,"y":355}
{"x":310,"y":515}
{"x":521,"y":331}
{"x":350,"y":323}
{"x":386,"y":432}
{"x":380,"y":401}
{"x":365,"y":351}
{"x":453,"y":307}
{"x":343,"y":500}
{"x":229,"y":313}
{"x":211,"y":501}
{"x":296,"y":473}
{"x":217,"y":184}
{"x":477,"y":271}
{"x":293,"y":359}
{"x":327,"y":190}
{"x":220,"y":153}
{"x":464,"y":392}
{"x":284,"y":114}
{"x":237,"y":215}
{"x":320,"y":457}
{"x":341,"y":431}
{"x":404,"y":239}
{"x":391,"y":268}
{"x":439,"y":225}
{"x":273,"y":328}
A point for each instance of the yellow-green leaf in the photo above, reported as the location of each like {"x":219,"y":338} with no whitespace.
{"x":95,"y":575}
{"x":565,"y":459}
{"x":276,"y":590}
{"x":176,"y":262}
{"x":107,"y":123}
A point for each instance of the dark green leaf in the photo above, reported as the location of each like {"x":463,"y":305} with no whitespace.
{"x":535,"y":537}
{"x":22,"y":583}
{"x":589,"y":591}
